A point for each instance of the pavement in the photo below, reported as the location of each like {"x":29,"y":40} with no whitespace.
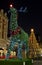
{"x":37,"y":62}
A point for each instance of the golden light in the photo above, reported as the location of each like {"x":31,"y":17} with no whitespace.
{"x":11,"y":53}
{"x":32,"y":30}
{"x":40,"y":51}
{"x":14,"y":53}
{"x":1,"y":51}
{"x":5,"y":51}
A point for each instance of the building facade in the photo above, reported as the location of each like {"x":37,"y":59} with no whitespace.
{"x":3,"y":29}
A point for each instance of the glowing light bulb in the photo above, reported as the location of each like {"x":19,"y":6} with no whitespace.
{"x":11,"y":5}
{"x":32,"y":30}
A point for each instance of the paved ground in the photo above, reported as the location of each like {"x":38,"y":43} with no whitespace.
{"x":37,"y":62}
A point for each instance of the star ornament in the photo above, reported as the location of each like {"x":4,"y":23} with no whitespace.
{"x":32,"y":30}
{"x":11,"y":5}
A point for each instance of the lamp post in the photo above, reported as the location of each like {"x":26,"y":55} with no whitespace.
{"x":23,"y":63}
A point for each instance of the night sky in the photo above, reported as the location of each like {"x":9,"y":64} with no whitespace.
{"x":31,"y":19}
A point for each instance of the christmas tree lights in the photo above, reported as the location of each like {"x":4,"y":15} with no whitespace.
{"x":17,"y":38}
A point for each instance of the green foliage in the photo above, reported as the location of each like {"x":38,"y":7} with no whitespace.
{"x":13,"y":19}
{"x":24,"y":36}
{"x":15,"y":62}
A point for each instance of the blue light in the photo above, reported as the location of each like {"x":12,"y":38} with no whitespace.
{"x":23,"y":9}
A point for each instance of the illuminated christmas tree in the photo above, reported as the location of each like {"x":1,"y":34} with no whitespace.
{"x":18,"y":38}
{"x":33,"y":45}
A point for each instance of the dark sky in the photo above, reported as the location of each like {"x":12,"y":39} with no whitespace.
{"x":31,"y":19}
